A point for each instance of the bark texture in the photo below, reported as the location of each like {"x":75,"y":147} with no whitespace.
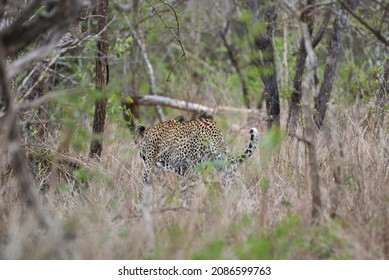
{"x":330,"y":68}
{"x":295,"y":98}
{"x":232,"y":55}
{"x":264,"y":43}
{"x":102,"y":77}
{"x":10,"y":44}
{"x":307,"y":93}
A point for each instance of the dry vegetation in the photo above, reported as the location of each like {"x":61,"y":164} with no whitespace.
{"x":92,"y":207}
{"x":265,"y":214}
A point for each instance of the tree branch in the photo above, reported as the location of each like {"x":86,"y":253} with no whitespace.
{"x":12,"y":40}
{"x":319,"y":35}
{"x":176,"y":35}
{"x":150,"y":100}
{"x":235,"y":63}
{"x":21,"y":33}
{"x":374,"y":31}
{"x":307,"y":93}
{"x":150,"y":72}
{"x":10,"y":133}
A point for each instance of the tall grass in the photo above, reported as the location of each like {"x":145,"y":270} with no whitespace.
{"x":266,"y":214}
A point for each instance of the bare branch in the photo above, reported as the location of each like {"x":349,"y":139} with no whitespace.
{"x":329,"y":75}
{"x":25,"y":61}
{"x":384,"y":16}
{"x":321,"y":4}
{"x":176,"y":35}
{"x":12,"y":40}
{"x":149,"y":100}
{"x":27,"y":13}
{"x":235,"y":63}
{"x":150,"y":71}
{"x":375,"y":32}
{"x":19,"y":160}
{"x":25,"y":106}
{"x":319,"y":35}
{"x":17,"y":35}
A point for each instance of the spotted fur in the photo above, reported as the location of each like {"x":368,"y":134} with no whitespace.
{"x":178,"y":145}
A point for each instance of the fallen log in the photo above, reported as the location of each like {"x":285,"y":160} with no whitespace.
{"x":154,"y":100}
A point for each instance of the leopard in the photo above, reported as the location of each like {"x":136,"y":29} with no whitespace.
{"x":179,"y":146}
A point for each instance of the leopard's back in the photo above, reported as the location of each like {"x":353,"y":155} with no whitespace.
{"x":181,"y":145}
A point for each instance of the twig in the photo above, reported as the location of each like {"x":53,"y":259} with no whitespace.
{"x":41,"y":53}
{"x":183,"y":55}
{"x":300,"y":138}
{"x":171,"y":209}
{"x":176,"y":35}
{"x":24,"y":62}
{"x":124,"y":168}
{"x":375,"y":32}
{"x":41,"y":77}
{"x":162,"y":210}
{"x":24,"y":106}
{"x":308,"y":7}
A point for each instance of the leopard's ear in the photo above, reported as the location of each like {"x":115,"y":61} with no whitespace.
{"x":141,"y":130}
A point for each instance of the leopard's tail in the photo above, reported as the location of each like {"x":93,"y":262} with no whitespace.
{"x":254,"y":136}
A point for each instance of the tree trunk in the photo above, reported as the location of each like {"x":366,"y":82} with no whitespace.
{"x":307,"y":93}
{"x":382,"y":99}
{"x":12,"y":42}
{"x":330,"y":69}
{"x":295,"y":98}
{"x":231,"y":51}
{"x":264,"y":43}
{"x":150,"y":71}
{"x":102,"y":76}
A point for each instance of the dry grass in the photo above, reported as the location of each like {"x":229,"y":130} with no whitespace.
{"x":266,"y":213}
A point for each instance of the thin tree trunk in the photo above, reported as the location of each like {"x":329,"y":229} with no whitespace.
{"x":234,"y":60}
{"x":307,"y":17}
{"x":285,"y":72}
{"x":295,"y":98}
{"x":102,"y":76}
{"x":11,"y":42}
{"x":130,"y":70}
{"x":150,"y":72}
{"x":307,"y":93}
{"x":330,"y":69}
{"x":264,"y":43}
{"x":382,"y":99}
{"x":337,"y":160}
{"x":19,"y":162}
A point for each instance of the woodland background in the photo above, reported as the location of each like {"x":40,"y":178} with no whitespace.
{"x":76,"y":77}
